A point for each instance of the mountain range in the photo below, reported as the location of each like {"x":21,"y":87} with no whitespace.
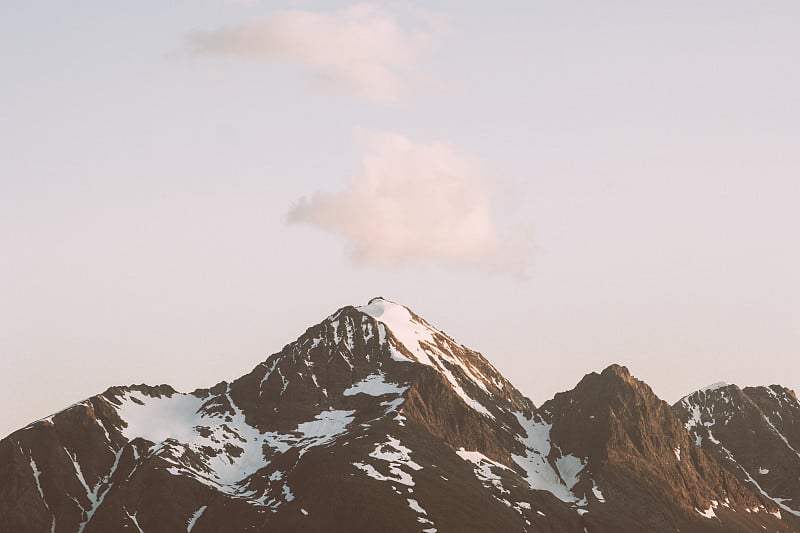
{"x":375,"y":421}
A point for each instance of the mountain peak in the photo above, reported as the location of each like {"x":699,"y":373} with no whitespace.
{"x":420,"y":431}
{"x":379,"y":306}
{"x":411,"y":331}
{"x":753,"y":432}
{"x":714,"y":386}
{"x":714,"y":390}
{"x":616,"y":370}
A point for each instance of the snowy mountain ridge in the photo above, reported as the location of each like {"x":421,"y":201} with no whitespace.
{"x":753,"y":429}
{"x":374,"y":420}
{"x":412,"y":338}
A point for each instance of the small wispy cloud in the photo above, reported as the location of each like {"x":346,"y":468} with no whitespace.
{"x":363,"y":49}
{"x":419,"y":203}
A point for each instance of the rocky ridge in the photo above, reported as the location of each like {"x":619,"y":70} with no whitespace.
{"x":373,"y":420}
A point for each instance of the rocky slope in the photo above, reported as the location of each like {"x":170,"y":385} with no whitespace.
{"x":754,"y":433}
{"x":641,"y":470}
{"x":373,"y":420}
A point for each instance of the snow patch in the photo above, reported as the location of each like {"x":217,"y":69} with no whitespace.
{"x":324,"y":428}
{"x":185,"y":423}
{"x":462,"y":394}
{"x":783,"y":438}
{"x":374,"y":385}
{"x":132,"y":518}
{"x":597,"y":493}
{"x":416,"y":506}
{"x":708,"y":513}
{"x":195,"y":517}
{"x":36,"y":474}
{"x":159,"y":419}
{"x":557,"y":477}
{"x":398,"y":457}
{"x":483,"y":469}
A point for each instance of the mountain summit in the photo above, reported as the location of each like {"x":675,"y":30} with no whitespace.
{"x":374,"y":420}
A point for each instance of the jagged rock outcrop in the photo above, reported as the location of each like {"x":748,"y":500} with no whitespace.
{"x":635,"y":450}
{"x":754,"y":433}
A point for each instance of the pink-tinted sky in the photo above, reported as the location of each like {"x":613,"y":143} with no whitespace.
{"x":186,"y":186}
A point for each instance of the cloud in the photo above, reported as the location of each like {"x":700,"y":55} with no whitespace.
{"x":419,"y":203}
{"x":363,"y":50}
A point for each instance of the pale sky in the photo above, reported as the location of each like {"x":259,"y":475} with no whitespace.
{"x":187,"y":186}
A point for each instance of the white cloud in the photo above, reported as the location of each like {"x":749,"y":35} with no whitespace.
{"x":418,"y":203}
{"x":362,"y":49}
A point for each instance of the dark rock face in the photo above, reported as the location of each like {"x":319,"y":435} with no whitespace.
{"x":754,"y":434}
{"x":373,"y":420}
{"x":637,"y":451}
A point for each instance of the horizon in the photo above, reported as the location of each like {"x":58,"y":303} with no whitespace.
{"x":537,"y":403}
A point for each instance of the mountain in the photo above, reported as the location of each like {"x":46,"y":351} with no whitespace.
{"x":374,"y":420}
{"x":643,"y":467}
{"x":754,"y":433}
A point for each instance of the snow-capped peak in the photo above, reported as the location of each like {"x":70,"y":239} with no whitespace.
{"x":714,"y":386}
{"x":386,"y":311}
{"x":705,"y":390}
{"x":410,"y":331}
{"x":429,"y":346}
